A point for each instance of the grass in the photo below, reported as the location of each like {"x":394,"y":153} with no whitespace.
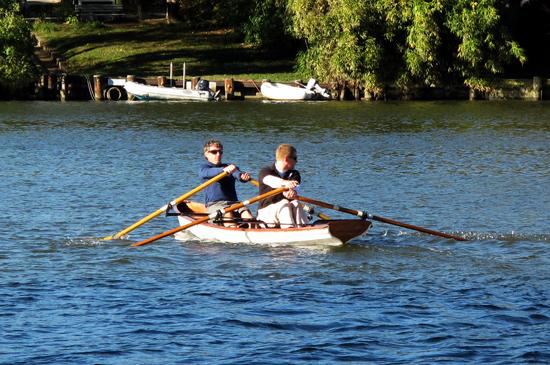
{"x":146,"y":49}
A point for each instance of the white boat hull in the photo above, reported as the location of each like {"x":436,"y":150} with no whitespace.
{"x":150,"y":92}
{"x":277,"y":91}
{"x":329,"y":234}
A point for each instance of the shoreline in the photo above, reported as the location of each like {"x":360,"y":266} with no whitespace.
{"x":66,"y":87}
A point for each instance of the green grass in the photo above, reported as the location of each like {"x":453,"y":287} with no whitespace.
{"x":146,"y":49}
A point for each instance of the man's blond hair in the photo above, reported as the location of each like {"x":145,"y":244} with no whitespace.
{"x":212,"y":142}
{"x":285,"y":150}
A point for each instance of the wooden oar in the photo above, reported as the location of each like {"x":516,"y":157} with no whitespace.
{"x":366,"y":215}
{"x":320,"y":215}
{"x":211,"y":216}
{"x":164,"y":207}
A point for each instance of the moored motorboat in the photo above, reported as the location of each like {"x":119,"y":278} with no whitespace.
{"x":151,"y":92}
{"x":322,"y":232}
{"x":280,"y":91}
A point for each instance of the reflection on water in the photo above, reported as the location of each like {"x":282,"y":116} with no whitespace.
{"x":73,"y":173}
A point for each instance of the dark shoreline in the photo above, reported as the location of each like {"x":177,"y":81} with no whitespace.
{"x":65,"y":87}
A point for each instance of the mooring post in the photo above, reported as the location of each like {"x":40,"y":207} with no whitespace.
{"x":537,"y":87}
{"x":229,"y":88}
{"x":52,"y":86}
{"x":130,"y":78}
{"x":42,"y":87}
{"x":194,"y":82}
{"x":99,"y":85}
{"x":63,"y":90}
{"x":161,"y":81}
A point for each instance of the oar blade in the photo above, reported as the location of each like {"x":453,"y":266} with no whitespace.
{"x":365,"y":215}
{"x":416,"y":228}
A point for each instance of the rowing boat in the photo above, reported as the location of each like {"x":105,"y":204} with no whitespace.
{"x":321,"y":232}
{"x":151,"y":92}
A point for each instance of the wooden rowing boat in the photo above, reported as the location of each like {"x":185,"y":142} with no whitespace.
{"x":151,"y":92}
{"x":321,"y":232}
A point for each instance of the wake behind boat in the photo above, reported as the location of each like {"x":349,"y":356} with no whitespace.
{"x":151,"y":92}
{"x":320,"y":233}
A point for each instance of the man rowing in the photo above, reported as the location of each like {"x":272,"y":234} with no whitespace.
{"x":281,"y":210}
{"x":222,"y":193}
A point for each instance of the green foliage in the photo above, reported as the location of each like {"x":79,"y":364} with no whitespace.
{"x":268,"y":25}
{"x":483,"y":45}
{"x":377,"y":42}
{"x":72,"y":20}
{"x":16,"y":48}
{"x":11,"y":5}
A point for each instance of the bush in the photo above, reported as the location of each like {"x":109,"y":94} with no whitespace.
{"x":16,"y":49}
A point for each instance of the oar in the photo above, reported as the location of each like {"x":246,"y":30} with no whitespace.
{"x":164,"y":207}
{"x":320,"y":215}
{"x":366,"y":215}
{"x":211,"y":216}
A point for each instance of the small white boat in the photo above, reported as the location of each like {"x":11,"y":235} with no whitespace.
{"x":320,"y":233}
{"x":279,"y":91}
{"x":151,"y":92}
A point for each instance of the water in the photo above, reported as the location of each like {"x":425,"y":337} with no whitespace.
{"x":72,"y":173}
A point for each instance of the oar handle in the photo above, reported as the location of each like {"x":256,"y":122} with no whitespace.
{"x":320,"y":215}
{"x":358,"y":213}
{"x":211,"y":216}
{"x":164,"y":207}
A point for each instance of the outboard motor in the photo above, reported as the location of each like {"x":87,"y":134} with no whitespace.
{"x":202,"y":85}
{"x":311,"y":84}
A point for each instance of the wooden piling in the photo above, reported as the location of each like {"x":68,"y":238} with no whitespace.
{"x":194,"y":82}
{"x":161,"y":81}
{"x":229,"y":88}
{"x":537,"y":87}
{"x":99,"y":85}
{"x":63,"y":90}
{"x":130,"y":78}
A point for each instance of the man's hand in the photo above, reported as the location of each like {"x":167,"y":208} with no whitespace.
{"x":291,"y":184}
{"x":290,"y":194}
{"x":245,"y":176}
{"x":230,"y":169}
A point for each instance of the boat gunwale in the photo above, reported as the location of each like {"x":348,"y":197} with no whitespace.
{"x":319,"y":224}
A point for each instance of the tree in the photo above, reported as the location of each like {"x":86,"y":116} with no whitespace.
{"x":484,"y":45}
{"x":268,"y":25}
{"x":377,"y":42}
{"x":16,"y":47}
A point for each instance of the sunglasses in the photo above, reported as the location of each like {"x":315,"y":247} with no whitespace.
{"x":295,"y":158}
{"x":215,"y":152}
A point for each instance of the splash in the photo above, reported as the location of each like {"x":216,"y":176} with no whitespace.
{"x":506,"y":237}
{"x":92,"y":241}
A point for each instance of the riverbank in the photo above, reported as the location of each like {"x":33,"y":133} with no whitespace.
{"x":146,"y":50}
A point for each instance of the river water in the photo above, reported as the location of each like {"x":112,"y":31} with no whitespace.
{"x":72,"y":173}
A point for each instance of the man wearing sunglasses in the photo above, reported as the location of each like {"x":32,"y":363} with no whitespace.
{"x":282,"y":210}
{"x":222,"y":193}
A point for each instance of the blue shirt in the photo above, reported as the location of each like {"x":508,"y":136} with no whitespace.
{"x":223,"y":189}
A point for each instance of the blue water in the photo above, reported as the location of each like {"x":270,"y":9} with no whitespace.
{"x":72,"y":173}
